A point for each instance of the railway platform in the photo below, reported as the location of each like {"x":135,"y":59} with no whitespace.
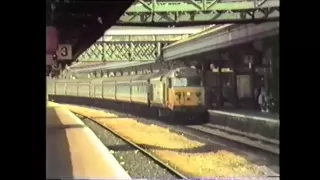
{"x":255,"y":123}
{"x":73,"y":150}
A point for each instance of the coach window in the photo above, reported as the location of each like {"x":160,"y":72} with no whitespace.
{"x":144,"y":88}
{"x":139,"y":89}
{"x":127,"y":89}
{"x":121,"y":88}
{"x":134,"y":88}
{"x":110,"y":88}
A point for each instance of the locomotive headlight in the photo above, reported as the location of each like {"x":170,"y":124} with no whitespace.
{"x":188,"y":93}
{"x":198,"y":94}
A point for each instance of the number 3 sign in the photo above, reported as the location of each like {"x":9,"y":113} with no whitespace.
{"x":64,"y":52}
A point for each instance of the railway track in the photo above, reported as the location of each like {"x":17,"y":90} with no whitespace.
{"x":246,"y":135}
{"x":236,"y":142}
{"x":166,"y":170}
{"x":271,"y":164}
{"x":209,"y":132}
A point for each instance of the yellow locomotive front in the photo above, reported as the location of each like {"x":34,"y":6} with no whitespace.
{"x":185,"y":92}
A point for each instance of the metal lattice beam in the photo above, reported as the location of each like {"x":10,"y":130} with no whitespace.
{"x":199,"y":11}
{"x":123,"y":51}
{"x":124,"y":38}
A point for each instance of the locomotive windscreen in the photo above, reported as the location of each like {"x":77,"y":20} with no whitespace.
{"x":186,"y":82}
{"x":186,"y":72}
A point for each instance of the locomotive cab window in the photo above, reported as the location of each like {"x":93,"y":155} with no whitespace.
{"x":186,"y":82}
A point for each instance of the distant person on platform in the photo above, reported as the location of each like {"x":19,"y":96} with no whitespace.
{"x":262,"y":100}
{"x":256,"y":97}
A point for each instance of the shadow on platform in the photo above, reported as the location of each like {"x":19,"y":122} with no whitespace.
{"x":58,"y":156}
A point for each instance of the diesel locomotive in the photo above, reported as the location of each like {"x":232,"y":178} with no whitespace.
{"x":177,"y":95}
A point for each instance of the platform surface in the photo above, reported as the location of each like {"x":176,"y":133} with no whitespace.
{"x":73,"y":151}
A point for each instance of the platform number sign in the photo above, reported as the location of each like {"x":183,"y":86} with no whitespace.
{"x":64,"y":52}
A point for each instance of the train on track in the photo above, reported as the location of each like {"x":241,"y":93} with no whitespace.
{"x":177,"y":95}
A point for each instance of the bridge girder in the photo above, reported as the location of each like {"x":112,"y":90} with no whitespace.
{"x":179,"y":12}
{"x":128,"y":47}
{"x":186,"y":12}
{"x":123,"y":51}
{"x":142,"y":38}
{"x":236,"y":52}
{"x":75,"y":15}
